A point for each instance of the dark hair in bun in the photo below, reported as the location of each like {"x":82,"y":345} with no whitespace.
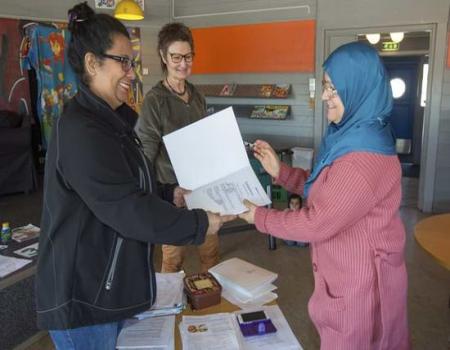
{"x":91,"y":32}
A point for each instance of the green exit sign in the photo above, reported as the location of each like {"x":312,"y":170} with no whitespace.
{"x":390,"y":46}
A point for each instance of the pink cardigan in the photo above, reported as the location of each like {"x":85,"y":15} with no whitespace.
{"x":357,"y":241}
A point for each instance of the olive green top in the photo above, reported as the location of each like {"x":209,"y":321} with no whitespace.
{"x":162,"y":113}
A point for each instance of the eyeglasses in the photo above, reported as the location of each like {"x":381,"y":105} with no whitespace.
{"x":127,"y":63}
{"x":177,"y":58}
{"x":327,"y":86}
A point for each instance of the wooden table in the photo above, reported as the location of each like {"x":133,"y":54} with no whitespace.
{"x":433,"y":234}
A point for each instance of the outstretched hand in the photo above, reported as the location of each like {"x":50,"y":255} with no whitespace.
{"x":178,"y":196}
{"x":215,"y":221}
{"x":268,"y":157}
{"x":249,"y":215}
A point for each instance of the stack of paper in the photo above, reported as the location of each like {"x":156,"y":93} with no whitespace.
{"x":245,"y":284}
{"x":169,"y":296}
{"x":151,"y":333}
{"x":24,"y":233}
{"x":222,"y":332}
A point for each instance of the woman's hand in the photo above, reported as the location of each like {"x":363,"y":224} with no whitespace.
{"x":249,"y":215}
{"x":178,"y":196}
{"x":215,"y":222}
{"x":268,"y":158}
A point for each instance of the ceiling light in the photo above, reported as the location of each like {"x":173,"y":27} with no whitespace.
{"x":397,"y":36}
{"x":373,"y":38}
{"x":128,"y":10}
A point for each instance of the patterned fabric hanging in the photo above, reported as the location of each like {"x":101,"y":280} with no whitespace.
{"x":57,"y":82}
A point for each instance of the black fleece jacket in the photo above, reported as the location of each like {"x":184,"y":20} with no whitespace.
{"x":100,"y":217}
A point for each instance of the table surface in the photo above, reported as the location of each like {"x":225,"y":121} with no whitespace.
{"x":433,"y":234}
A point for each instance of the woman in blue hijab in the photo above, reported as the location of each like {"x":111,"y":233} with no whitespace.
{"x":351,"y":216}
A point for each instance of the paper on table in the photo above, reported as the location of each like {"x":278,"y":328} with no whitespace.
{"x":209,"y":156}
{"x":249,"y":303}
{"x":9,"y":265}
{"x":210,"y":332}
{"x":169,"y":296}
{"x":151,"y":333}
{"x":29,"y":251}
{"x":24,"y":233}
{"x":169,"y":290}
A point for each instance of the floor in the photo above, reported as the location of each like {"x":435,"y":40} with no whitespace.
{"x":429,"y":283}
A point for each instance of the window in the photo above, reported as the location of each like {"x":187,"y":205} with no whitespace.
{"x":423,"y":95}
{"x":398,"y":87}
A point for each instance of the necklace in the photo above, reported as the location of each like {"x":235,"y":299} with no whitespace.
{"x":175,"y":91}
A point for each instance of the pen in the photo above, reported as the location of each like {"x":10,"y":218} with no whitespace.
{"x":249,"y":144}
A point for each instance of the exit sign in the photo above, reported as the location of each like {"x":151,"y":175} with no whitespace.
{"x":390,"y":46}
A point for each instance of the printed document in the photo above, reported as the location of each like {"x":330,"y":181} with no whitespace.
{"x":151,"y":333}
{"x":9,"y":265}
{"x":222,"y":332}
{"x":209,"y":332}
{"x":209,"y":158}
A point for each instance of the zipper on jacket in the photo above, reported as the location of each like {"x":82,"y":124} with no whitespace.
{"x":149,"y":259}
{"x":112,"y":269}
{"x":141,"y":179}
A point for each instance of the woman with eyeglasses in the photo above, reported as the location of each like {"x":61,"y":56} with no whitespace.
{"x":170,"y":105}
{"x":351,"y":217}
{"x":102,"y":213}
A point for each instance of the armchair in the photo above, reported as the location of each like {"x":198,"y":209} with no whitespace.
{"x":17,"y":171}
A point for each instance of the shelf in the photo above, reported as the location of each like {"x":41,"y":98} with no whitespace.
{"x":274,"y":91}
{"x":265,"y":112}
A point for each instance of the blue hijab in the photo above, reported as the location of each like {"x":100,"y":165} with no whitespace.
{"x":362,"y":83}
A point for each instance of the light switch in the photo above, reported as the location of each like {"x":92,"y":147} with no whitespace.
{"x":144,"y":71}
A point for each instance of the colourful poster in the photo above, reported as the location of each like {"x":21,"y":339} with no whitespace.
{"x":56,"y":81}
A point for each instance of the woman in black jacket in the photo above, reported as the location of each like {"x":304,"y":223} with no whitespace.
{"x":101,"y":214}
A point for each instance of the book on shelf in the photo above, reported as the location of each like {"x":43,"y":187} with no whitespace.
{"x":265,"y":90}
{"x":228,"y":90}
{"x":281,"y":90}
{"x":270,"y":112}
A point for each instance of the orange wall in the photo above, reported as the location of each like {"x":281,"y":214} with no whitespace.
{"x":255,"y":48}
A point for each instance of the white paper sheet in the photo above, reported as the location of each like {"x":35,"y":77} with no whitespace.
{"x":169,"y":296}
{"x":210,"y":332}
{"x":150,"y":333}
{"x":9,"y":265}
{"x":29,"y":251}
{"x":209,"y":158}
{"x":233,"y":298}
